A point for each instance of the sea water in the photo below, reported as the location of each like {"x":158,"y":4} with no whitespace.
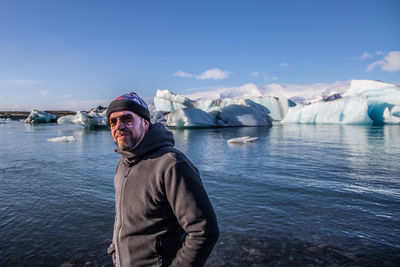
{"x":312,"y":195}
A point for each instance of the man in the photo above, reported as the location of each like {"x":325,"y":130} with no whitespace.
{"x":163,"y":216}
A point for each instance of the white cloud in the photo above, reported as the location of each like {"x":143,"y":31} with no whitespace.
{"x":67,"y":96}
{"x":273,"y":78}
{"x":254,"y":74}
{"x":13,"y":83}
{"x":391,"y":62}
{"x":44,"y":92}
{"x":183,"y":74}
{"x":213,"y":74}
{"x":366,"y":55}
{"x":379,"y":53}
{"x":283,"y":65}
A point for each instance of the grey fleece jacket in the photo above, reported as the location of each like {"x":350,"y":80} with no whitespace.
{"x":163,"y":214}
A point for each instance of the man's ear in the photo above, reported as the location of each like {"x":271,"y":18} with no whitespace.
{"x":146,"y":124}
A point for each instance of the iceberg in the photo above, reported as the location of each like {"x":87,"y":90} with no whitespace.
{"x":37,"y":116}
{"x":166,"y":101}
{"x":183,"y":112}
{"x":383,"y":99}
{"x":346,"y":110}
{"x":95,"y":118}
{"x":242,"y":140}
{"x":190,"y":117}
{"x":244,"y":113}
{"x":5,"y":120}
{"x":365,"y":102}
{"x":63,"y":139}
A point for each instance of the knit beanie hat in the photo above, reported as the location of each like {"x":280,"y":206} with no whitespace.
{"x":131,"y":102}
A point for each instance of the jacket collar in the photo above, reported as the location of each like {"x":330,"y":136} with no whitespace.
{"x":157,"y":137}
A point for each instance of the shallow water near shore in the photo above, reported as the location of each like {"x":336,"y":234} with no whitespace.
{"x":311,"y":195}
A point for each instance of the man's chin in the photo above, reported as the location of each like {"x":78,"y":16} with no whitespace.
{"x":124,"y":146}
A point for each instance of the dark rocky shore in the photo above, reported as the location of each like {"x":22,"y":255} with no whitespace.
{"x":21,"y":115}
{"x":235,"y":250}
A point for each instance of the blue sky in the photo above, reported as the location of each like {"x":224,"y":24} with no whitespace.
{"x":77,"y":54}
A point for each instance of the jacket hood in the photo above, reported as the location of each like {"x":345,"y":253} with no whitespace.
{"x":157,"y":137}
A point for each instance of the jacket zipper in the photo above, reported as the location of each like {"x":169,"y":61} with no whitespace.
{"x":120,"y":216}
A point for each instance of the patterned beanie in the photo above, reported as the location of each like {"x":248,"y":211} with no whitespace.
{"x":131,"y":102}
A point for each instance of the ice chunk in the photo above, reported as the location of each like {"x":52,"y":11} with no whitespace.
{"x":241,"y":140}
{"x":167,"y":101}
{"x":190,"y":117}
{"x":363,"y":103}
{"x":382,"y":99}
{"x":245,"y":113}
{"x":37,"y":116}
{"x":91,"y":120}
{"x":346,"y":110}
{"x":391,"y":116}
{"x":156,"y":116}
{"x":63,"y":139}
{"x":5,"y":120}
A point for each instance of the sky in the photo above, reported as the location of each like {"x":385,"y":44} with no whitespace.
{"x":77,"y":54}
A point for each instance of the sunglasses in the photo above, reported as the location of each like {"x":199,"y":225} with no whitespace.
{"x":126,"y":119}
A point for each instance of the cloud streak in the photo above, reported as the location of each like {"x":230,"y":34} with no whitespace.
{"x":211,"y":74}
{"x":15,"y":83}
{"x":390,"y":63}
{"x":183,"y":74}
{"x":366,"y":55}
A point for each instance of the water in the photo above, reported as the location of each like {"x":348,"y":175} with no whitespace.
{"x":312,"y":195}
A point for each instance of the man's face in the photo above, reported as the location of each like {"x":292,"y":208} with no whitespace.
{"x":127,"y":129}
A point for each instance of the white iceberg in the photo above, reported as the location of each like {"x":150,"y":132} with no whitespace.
{"x":190,"y":117}
{"x":244,"y":113}
{"x":37,"y":116}
{"x":383,"y":99}
{"x":5,"y":120}
{"x":346,"y":110}
{"x":242,"y":140}
{"x":183,"y":112}
{"x":365,"y":102}
{"x":166,"y":101}
{"x":96,"y":118}
{"x":62,"y":139}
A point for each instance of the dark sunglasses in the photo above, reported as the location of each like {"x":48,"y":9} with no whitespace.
{"x":126,"y":119}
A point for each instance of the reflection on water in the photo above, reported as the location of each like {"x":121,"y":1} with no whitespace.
{"x":300,"y":195}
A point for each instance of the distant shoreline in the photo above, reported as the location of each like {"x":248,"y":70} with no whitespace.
{"x":19,"y":115}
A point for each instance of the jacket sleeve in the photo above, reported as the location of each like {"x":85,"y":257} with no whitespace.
{"x":194,"y":212}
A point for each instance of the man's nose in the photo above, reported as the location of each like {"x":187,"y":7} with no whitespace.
{"x":119,"y":124}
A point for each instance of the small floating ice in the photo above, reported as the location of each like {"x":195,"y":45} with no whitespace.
{"x":64,"y":139}
{"x":241,"y":140}
{"x":5,"y":121}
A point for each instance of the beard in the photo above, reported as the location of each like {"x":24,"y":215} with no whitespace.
{"x":131,"y":141}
